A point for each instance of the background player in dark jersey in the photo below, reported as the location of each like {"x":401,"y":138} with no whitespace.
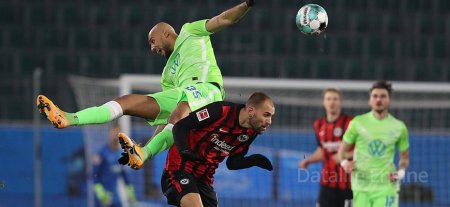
{"x":335,"y":188}
{"x":203,"y":140}
{"x":111,"y":183}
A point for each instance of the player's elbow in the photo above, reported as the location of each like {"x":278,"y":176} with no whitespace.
{"x":232,"y":164}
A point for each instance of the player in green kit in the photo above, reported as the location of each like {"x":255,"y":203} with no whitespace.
{"x":376,"y":135}
{"x":190,"y":80}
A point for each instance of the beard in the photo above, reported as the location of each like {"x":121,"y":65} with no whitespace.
{"x":168,"y":53}
{"x":254,"y":125}
{"x":380,"y":110}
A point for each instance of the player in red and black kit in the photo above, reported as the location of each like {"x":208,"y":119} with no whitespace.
{"x":335,"y":187}
{"x":203,"y":140}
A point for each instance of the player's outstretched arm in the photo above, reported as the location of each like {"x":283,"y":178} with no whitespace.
{"x":237,"y":162}
{"x":228,"y":17}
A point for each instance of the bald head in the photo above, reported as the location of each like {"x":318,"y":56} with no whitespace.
{"x":162,"y":39}
{"x":161,"y":27}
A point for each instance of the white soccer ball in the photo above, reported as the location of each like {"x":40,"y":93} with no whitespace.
{"x":311,"y":19}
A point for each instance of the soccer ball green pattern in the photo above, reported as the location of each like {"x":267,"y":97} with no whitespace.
{"x":311,"y":19}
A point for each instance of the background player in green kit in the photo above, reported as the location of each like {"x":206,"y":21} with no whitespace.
{"x":191,"y":79}
{"x":376,"y":135}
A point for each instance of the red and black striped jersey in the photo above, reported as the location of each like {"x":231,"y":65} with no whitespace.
{"x":329,"y":136}
{"x":213,"y":133}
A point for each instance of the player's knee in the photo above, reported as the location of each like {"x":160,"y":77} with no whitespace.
{"x":191,"y":200}
{"x":138,"y":105}
{"x":182,"y":110}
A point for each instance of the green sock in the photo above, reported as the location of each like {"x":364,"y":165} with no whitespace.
{"x":93,"y":115}
{"x":159,"y":143}
{"x":72,"y":118}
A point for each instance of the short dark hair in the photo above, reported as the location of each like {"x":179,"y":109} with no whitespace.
{"x":257,"y":98}
{"x":382,"y":84}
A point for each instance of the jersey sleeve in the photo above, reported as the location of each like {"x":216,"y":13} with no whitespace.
{"x":316,"y":132}
{"x":351,"y":133}
{"x":197,"y":28}
{"x":195,"y":120}
{"x":403,"y":142}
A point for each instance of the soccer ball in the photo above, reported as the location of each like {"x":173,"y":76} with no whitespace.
{"x":311,"y":19}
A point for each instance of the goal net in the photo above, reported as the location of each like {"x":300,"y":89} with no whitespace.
{"x":424,"y":107}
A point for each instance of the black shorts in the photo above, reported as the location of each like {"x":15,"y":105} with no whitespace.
{"x":335,"y":197}
{"x":176,"y":184}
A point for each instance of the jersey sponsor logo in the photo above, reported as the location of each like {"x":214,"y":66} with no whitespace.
{"x":220,"y":144}
{"x":202,"y":115}
{"x":242,"y":138}
{"x":337,"y":132}
{"x":377,"y":148}
{"x":175,"y":64}
{"x":222,"y":130}
{"x":331,"y":146}
{"x":184,"y":181}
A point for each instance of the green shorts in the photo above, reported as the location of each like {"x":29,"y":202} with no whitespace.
{"x":198,"y":95}
{"x":375,"y":199}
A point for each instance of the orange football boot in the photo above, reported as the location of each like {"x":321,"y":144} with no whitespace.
{"x":49,"y":110}
{"x":136,"y":158}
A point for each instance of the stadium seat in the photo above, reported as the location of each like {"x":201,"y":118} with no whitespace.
{"x":132,"y":15}
{"x":444,"y":6}
{"x":7,"y":59}
{"x":30,"y":61}
{"x":119,"y":40}
{"x":390,"y":23}
{"x":6,"y":14}
{"x":89,"y":64}
{"x":359,"y":22}
{"x":439,"y":47}
{"x":130,"y":63}
{"x":165,"y":14}
{"x":37,"y":14}
{"x":88,"y":39}
{"x":72,"y":14}
{"x":418,"y":5}
{"x":51,"y":38}
{"x":20,"y":39}
{"x":62,"y":62}
{"x":99,"y":13}
{"x":375,"y":46}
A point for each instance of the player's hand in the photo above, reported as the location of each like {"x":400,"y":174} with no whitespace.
{"x":303,"y":164}
{"x":262,"y":161}
{"x":398,"y":175}
{"x":124,"y":159}
{"x":348,"y":166}
{"x":104,"y":196}
{"x":131,"y":194}
{"x":187,"y":154}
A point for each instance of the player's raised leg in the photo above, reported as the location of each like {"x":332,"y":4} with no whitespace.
{"x":135,"y":105}
{"x":162,"y":139}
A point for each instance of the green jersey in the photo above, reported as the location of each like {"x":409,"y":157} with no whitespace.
{"x":192,"y":59}
{"x":375,"y":142}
